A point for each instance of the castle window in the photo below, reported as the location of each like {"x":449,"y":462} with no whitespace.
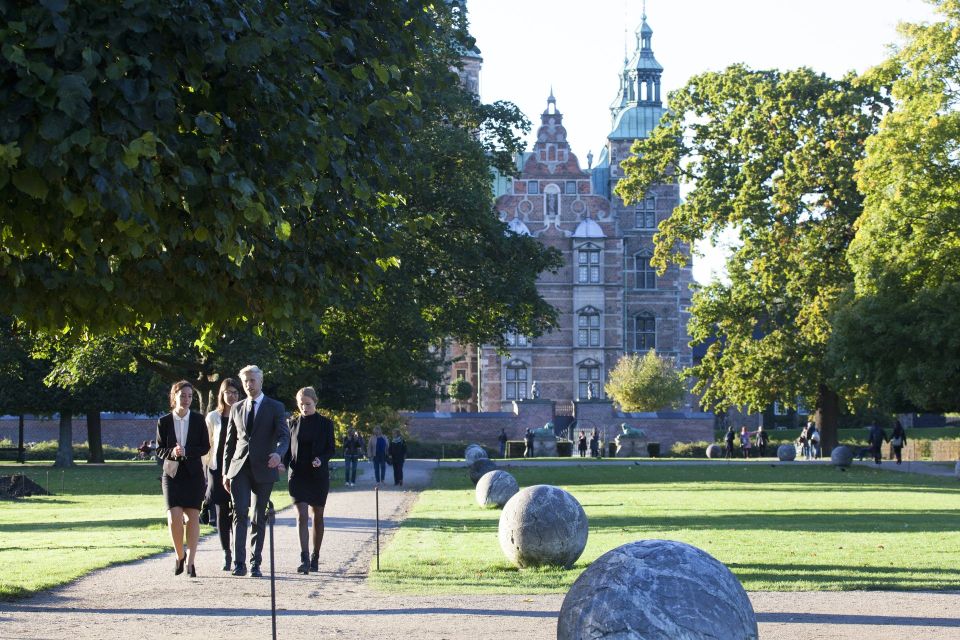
{"x":516,"y":380}
{"x":517,"y":340}
{"x":588,"y":264}
{"x":571,"y":188}
{"x":589,"y":372}
{"x":646,"y":213}
{"x":645,"y":332}
{"x":533,"y":186}
{"x":646,"y":275}
{"x":588,"y":328}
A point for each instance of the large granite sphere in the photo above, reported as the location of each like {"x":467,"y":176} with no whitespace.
{"x":842,"y":456}
{"x":787,"y":452}
{"x":474,"y":452}
{"x":480,"y":467}
{"x":657,"y":590}
{"x":714,"y":451}
{"x":495,"y":488}
{"x":543,"y":525}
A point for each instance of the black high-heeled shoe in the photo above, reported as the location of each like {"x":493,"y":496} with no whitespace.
{"x":178,"y":567}
{"x":227,"y":561}
{"x":315,"y":561}
{"x":191,"y":571}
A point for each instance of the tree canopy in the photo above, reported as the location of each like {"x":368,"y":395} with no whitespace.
{"x":900,"y":334}
{"x":645,"y":383}
{"x":161,"y":157}
{"x":770,"y":156}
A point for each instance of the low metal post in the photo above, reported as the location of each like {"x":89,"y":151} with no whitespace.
{"x":271,"y":518}
{"x":376,"y":493}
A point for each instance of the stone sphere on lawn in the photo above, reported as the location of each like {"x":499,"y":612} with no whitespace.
{"x":657,"y":590}
{"x":543,"y":525}
{"x":495,"y":488}
{"x":714,"y":451}
{"x":787,"y":452}
{"x":474,"y":452}
{"x":479,"y":467}
{"x":842,"y":456}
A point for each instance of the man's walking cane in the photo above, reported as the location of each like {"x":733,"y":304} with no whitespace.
{"x":271,"y":517}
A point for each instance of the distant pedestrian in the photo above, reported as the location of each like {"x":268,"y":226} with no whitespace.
{"x":582,"y":444}
{"x":804,"y":441}
{"x":353,"y":446}
{"x":377,"y":452}
{"x":814,"y":438}
{"x":763,"y":439}
{"x":528,"y":442}
{"x":502,"y":439}
{"x":898,"y":439}
{"x":876,"y":438}
{"x":745,"y":441}
{"x":397,"y":454}
{"x":595,"y":444}
{"x":728,"y":442}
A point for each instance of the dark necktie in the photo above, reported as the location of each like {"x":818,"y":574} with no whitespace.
{"x":251,"y":415}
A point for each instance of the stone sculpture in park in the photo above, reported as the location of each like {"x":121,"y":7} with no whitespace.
{"x":474,"y":452}
{"x":545,"y":441}
{"x":495,"y":489}
{"x":543,"y":525}
{"x":657,"y":590}
{"x":479,"y":467}
{"x":534,"y":391}
{"x":631,"y":442}
{"x":714,"y":451}
{"x":787,"y":452}
{"x":841,"y":456}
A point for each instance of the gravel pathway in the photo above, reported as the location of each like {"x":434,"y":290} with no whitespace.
{"x":143,"y":599}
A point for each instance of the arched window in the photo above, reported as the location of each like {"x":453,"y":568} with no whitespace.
{"x":588,"y":264}
{"x":588,"y":372}
{"x":588,"y":327}
{"x":645,"y":332}
{"x":646,"y":275}
{"x":646,"y":213}
{"x":517,"y":340}
{"x":515,"y":378}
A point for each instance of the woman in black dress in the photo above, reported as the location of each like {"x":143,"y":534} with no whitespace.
{"x":217,"y":496}
{"x":311,"y":447}
{"x":181,"y":443}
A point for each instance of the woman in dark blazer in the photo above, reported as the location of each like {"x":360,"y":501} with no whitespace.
{"x":311,"y":447}
{"x":181,"y":444}
{"x":217,"y":422}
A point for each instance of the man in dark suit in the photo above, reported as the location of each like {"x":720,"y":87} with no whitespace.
{"x":257,"y":439}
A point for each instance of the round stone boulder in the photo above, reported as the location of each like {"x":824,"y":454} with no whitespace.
{"x":543,"y":525}
{"x":479,"y":467}
{"x":787,"y":453}
{"x":714,"y":451}
{"x":495,"y":488}
{"x":657,"y":590}
{"x":841,"y":456}
{"x":474,"y":452}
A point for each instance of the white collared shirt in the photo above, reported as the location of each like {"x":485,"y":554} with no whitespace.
{"x":180,"y":426}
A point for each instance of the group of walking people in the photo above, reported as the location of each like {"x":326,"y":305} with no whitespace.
{"x":229,"y":461}
{"x":752,"y":443}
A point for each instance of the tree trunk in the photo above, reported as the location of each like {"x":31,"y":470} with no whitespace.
{"x":94,"y":437}
{"x":65,"y":445}
{"x":827,"y":414}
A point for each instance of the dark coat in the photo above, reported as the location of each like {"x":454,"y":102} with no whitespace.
{"x":197,"y":446}
{"x":268,"y":434}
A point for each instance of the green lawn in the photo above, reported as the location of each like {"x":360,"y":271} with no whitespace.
{"x":104,"y":515}
{"x":778,"y":528}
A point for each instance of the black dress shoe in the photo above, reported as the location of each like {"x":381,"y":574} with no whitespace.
{"x":191,"y":571}
{"x":240,"y":569}
{"x":227,"y":561}
{"x":255,"y":571}
{"x":315,"y":562}
{"x":178,"y":566}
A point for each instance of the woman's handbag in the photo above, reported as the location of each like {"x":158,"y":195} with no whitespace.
{"x":897,"y":441}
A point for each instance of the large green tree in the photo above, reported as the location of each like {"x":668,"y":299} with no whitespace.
{"x":900,"y":335}
{"x":770,"y":157}
{"x":211,"y":159}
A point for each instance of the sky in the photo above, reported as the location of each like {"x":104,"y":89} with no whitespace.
{"x":577,"y":48}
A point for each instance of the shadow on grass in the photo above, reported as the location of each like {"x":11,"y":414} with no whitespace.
{"x":36,"y":527}
{"x":848,"y":577}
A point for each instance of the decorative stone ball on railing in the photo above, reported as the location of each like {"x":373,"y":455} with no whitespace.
{"x":474,"y":452}
{"x":714,"y":451}
{"x":787,"y":452}
{"x":495,"y":488}
{"x":841,"y":456}
{"x":479,"y":467}
{"x":543,"y":525}
{"x":657,"y":589}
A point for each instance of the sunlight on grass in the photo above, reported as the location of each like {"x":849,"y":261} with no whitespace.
{"x":778,"y":528}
